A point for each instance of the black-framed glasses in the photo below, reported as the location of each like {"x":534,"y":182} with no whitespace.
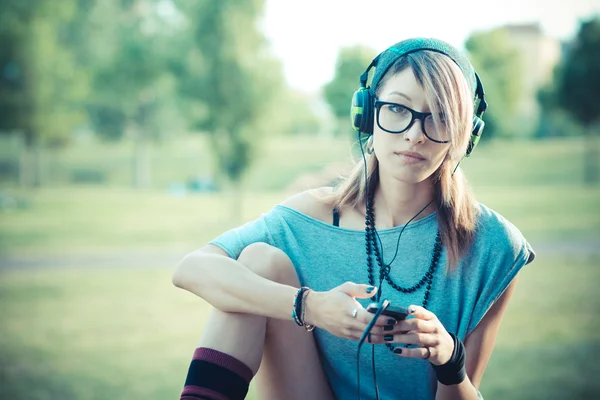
{"x":396,"y":118}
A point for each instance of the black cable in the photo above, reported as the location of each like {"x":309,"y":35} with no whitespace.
{"x":382,"y":275}
{"x":382,"y":307}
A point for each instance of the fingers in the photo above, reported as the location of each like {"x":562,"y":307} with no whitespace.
{"x":364,"y":317}
{"x":357,"y":290}
{"x":421,"y":339}
{"x":421,"y":313}
{"x":416,"y":352}
{"x":417,"y":325}
{"x":391,"y":327}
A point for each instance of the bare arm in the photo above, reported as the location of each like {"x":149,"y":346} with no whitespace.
{"x":479,"y":346}
{"x":229,"y":286}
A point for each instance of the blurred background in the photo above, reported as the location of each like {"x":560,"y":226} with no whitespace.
{"x":134,"y":131}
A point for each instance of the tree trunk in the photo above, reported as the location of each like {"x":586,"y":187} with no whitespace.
{"x":236,"y":203}
{"x":591,"y":156}
{"x":30,"y":169}
{"x":141,"y":160}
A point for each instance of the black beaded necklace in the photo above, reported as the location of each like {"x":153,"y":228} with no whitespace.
{"x":384,"y":270}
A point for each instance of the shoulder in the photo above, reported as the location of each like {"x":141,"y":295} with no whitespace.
{"x":316,"y":203}
{"x":491,"y":223}
{"x":495,"y":232}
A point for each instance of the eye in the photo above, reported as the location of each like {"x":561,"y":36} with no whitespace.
{"x":398,"y":109}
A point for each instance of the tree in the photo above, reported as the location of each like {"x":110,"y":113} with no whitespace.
{"x":42,"y":86}
{"x":133,"y":85}
{"x":578,"y":87}
{"x":499,"y":65}
{"x":350,"y":64}
{"x":229,"y":79}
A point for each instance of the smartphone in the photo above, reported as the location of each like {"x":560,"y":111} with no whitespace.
{"x":398,"y":313}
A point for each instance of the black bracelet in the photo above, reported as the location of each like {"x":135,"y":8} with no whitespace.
{"x":453,"y":372}
{"x":297,"y":310}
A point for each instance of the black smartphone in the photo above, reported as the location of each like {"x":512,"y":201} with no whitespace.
{"x":398,"y":313}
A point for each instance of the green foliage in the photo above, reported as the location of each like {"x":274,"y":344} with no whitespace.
{"x":499,"y":65}
{"x":133,"y":86}
{"x":231,"y":75}
{"x":42,"y":85}
{"x":350,"y":64}
{"x":578,"y":84}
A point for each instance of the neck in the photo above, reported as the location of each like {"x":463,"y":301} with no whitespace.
{"x":397,"y":202}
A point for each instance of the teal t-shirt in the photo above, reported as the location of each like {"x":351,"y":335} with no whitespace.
{"x":326,"y":256}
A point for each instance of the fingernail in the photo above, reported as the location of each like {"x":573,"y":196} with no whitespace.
{"x":411,"y":310}
{"x":398,"y":350}
{"x":388,"y":327}
{"x":370,"y":289}
{"x":388,"y":338}
{"x":369,"y":338}
{"x":391,"y":321}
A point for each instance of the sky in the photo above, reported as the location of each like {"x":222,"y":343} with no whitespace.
{"x":306,"y":35}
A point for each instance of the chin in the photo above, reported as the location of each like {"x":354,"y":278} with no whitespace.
{"x":411,"y":177}
{"x":405,"y":174}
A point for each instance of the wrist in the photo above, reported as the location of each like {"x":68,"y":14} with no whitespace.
{"x":312,"y":308}
{"x":453,"y":372}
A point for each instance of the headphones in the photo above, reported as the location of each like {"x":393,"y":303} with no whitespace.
{"x":363,"y":101}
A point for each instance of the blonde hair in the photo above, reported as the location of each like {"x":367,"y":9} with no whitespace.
{"x":448,"y":94}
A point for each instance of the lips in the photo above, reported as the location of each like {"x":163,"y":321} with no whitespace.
{"x":411,"y":155}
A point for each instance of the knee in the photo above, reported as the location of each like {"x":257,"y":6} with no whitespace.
{"x":270,"y":263}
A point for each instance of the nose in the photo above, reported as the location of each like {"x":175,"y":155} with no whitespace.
{"x":415,"y":133}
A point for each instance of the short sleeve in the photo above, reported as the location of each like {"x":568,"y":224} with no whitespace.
{"x":235,"y":240}
{"x":501,"y":253}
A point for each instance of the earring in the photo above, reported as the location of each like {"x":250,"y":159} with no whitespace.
{"x":370,"y":149}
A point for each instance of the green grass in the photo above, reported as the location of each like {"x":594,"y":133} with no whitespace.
{"x":83,"y":220}
{"x":281,"y":160}
{"x":128,"y":334}
{"x":536,"y":185}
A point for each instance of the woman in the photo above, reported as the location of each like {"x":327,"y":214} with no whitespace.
{"x":428,"y":245}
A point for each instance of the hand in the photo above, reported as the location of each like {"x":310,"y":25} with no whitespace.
{"x":332,"y":310}
{"x":424,"y":330}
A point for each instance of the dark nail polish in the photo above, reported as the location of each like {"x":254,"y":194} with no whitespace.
{"x":398,"y":350}
{"x":369,"y":338}
{"x":388,"y":327}
{"x":411,"y":310}
{"x":391,"y":321}
{"x":388,"y":338}
{"x":370,"y":289}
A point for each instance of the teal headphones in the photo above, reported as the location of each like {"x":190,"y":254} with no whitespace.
{"x":363,"y":100}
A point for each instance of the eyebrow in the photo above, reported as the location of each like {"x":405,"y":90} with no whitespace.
{"x":400,"y":94}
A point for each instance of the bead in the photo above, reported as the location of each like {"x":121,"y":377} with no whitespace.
{"x":372,"y":248}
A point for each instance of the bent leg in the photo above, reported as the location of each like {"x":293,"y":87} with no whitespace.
{"x":290,"y":365}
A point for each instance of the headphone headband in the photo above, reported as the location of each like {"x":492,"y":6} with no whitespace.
{"x":388,"y":57}
{"x":363,"y":100}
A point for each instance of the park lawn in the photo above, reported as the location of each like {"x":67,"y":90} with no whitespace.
{"x":63,"y":221}
{"x":127,"y":333}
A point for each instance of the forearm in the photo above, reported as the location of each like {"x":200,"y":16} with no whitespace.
{"x":229,"y":286}
{"x":463,"y":391}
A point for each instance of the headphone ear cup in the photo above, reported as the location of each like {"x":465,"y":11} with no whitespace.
{"x":361,"y":111}
{"x":478,"y":126}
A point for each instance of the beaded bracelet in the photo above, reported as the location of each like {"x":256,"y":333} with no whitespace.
{"x":297,"y":306}
{"x":306,"y":326}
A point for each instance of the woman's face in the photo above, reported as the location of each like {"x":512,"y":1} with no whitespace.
{"x":409,"y":156}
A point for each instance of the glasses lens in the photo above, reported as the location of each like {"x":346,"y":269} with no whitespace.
{"x":394,"y":118}
{"x":437,"y":131}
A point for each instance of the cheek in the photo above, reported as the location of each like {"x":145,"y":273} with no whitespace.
{"x":386,"y":142}
{"x":439,"y":154}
